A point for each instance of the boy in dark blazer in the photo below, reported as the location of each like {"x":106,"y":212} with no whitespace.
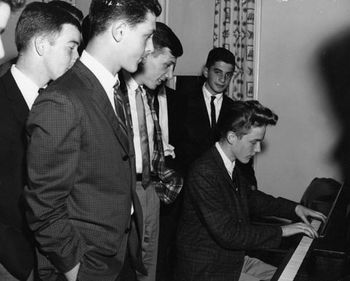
{"x":202,"y":113}
{"x":215,"y":228}
{"x":83,"y":207}
{"x":205,"y":106}
{"x":43,"y":34}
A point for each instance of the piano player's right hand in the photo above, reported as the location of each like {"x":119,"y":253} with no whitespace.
{"x":300,"y":227}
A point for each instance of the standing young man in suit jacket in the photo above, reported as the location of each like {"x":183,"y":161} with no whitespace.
{"x":201,"y":116}
{"x":47,"y":39}
{"x":83,"y":207}
{"x":215,"y":227}
{"x":164,"y":184}
{"x":206,"y":106}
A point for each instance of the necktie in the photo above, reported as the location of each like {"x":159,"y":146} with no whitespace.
{"x":235,"y":179}
{"x":141,"y":116}
{"x":41,"y":90}
{"x":156,"y":104}
{"x":212,"y":112}
{"x":119,"y":107}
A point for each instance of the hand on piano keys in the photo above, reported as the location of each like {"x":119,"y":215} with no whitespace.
{"x":300,"y":227}
{"x":304,"y":213}
{"x":304,"y":227}
{"x":295,"y":261}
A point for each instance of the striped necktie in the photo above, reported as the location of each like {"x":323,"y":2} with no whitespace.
{"x":141,"y":116}
{"x":119,"y":107}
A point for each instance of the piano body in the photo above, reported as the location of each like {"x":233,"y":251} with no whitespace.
{"x":301,"y":258}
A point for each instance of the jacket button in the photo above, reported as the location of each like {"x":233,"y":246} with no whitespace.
{"x":125,"y":157}
{"x":127,"y":230}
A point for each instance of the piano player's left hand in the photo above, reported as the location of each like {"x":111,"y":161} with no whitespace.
{"x":303,"y":213}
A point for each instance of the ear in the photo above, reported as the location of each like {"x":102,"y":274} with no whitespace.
{"x":231,"y":137}
{"x":205,"y":72}
{"x":119,"y":30}
{"x":40,"y":44}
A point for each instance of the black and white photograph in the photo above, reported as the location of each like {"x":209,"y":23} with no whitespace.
{"x":174,"y":140}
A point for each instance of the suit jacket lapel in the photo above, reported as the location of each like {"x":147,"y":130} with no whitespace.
{"x":224,"y":106}
{"x":222,"y":168}
{"x":203,"y":111}
{"x":198,"y":113}
{"x":99,"y":96}
{"x":17,"y":101}
{"x":241,"y":196}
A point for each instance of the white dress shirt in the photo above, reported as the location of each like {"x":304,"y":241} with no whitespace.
{"x":217,"y":102}
{"x":27,"y":87}
{"x":163,"y":122}
{"x":104,"y":76}
{"x":227,"y":162}
{"x":132,"y":85}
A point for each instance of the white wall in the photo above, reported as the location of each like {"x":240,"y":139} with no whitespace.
{"x":193,"y":23}
{"x":301,"y":146}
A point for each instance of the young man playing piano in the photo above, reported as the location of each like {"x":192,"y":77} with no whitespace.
{"x":215,"y":229}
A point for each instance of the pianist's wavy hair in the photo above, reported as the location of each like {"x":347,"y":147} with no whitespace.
{"x":14,"y":4}
{"x":243,"y":115}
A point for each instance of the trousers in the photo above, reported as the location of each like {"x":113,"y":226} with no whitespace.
{"x":150,"y":205}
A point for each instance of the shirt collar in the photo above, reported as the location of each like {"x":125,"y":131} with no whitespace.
{"x":207,"y":94}
{"x":131,"y":84}
{"x":27,"y":87}
{"x":227,"y":162}
{"x":105,"y":77}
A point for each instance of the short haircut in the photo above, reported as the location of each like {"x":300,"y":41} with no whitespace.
{"x":243,"y":115}
{"x":164,"y":37}
{"x":103,"y":12}
{"x":14,"y":4}
{"x":41,"y":19}
{"x":74,"y":11}
{"x":85,"y":29}
{"x":85,"y":32}
{"x":220,"y":54}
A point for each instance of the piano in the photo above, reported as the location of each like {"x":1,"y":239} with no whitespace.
{"x":323,"y":259}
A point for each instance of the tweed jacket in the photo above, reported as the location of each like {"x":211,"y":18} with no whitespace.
{"x":215,"y":228}
{"x":81,"y":181}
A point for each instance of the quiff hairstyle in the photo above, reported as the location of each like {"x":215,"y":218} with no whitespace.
{"x":164,"y":37}
{"x":244,"y":115}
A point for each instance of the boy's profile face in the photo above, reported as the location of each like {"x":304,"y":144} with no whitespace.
{"x":245,"y":147}
{"x":137,"y":41}
{"x":62,"y":51}
{"x":158,"y":67}
{"x":218,"y":77}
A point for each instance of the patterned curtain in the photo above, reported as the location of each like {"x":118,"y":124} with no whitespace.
{"x":234,"y":30}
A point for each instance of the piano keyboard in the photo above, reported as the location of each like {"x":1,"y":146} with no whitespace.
{"x":291,"y":269}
